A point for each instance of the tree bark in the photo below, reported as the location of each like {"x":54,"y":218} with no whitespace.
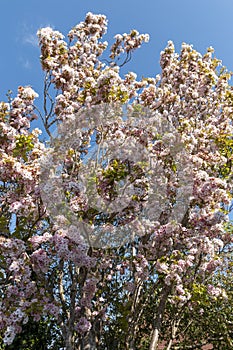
{"x":159,"y":318}
{"x":133,"y":318}
{"x":67,"y":336}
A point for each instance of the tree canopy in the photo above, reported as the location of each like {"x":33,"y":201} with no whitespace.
{"x":116,"y":234}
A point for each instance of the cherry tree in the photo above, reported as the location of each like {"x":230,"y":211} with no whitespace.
{"x":117,"y":231}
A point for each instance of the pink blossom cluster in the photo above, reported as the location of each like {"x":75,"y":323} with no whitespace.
{"x":127,"y":43}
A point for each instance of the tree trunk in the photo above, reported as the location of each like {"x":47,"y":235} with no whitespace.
{"x":133,"y":318}
{"x":89,"y":342}
{"x":159,"y":318}
{"x":175,"y":326}
{"x":67,"y":336}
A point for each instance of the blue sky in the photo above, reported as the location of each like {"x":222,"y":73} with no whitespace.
{"x":202,"y":23}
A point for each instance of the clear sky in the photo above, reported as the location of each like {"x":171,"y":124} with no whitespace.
{"x":202,"y":23}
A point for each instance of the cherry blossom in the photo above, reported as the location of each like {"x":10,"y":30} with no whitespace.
{"x":140,"y":288}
